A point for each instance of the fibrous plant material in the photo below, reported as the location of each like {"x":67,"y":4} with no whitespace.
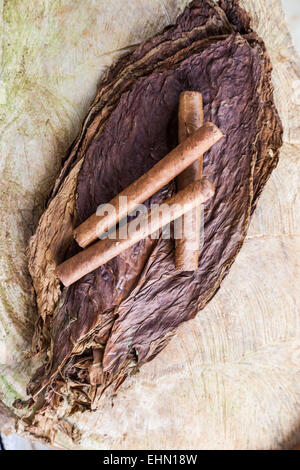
{"x":124,"y":313}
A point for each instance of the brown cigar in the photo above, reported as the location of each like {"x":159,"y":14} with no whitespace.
{"x":101,"y":252}
{"x":160,"y":174}
{"x":190,"y":118}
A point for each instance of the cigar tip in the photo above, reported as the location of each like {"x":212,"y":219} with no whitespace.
{"x":190,"y":93}
{"x":79,"y":239}
{"x":207,"y":188}
{"x":185,"y":267}
{"x":59,"y":274}
{"x":190,"y":101}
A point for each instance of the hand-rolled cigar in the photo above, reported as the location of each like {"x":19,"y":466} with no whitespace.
{"x":160,"y":174}
{"x":101,"y":252}
{"x":190,"y":118}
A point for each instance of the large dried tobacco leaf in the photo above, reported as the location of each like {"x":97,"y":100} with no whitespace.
{"x":124,"y":313}
{"x":49,"y":244}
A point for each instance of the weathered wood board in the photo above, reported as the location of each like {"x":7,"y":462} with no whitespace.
{"x":230,"y":379}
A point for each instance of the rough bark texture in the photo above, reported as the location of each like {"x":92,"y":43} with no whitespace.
{"x":214,"y":370}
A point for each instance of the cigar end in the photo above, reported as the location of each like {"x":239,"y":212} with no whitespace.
{"x":184,"y":268}
{"x":80,"y":239}
{"x":190,"y":95}
{"x":75,"y":236}
{"x":215,"y":130}
{"x":60,"y":275}
{"x":208,"y":188}
{"x":186,"y":257}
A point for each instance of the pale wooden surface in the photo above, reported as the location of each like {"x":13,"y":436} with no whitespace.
{"x":231,"y":378}
{"x":292,"y":11}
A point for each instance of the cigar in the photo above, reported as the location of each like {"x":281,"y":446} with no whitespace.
{"x":190,"y":118}
{"x":160,"y":174}
{"x":103,"y":251}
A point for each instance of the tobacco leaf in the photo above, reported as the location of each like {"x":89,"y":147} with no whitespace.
{"x":128,"y":309}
